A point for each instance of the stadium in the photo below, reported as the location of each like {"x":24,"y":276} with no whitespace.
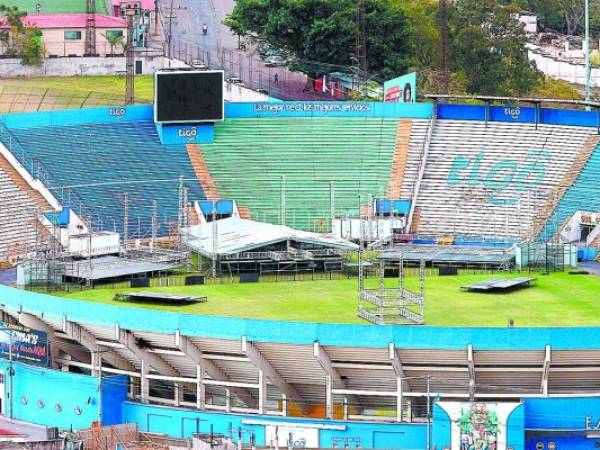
{"x":300,"y":274}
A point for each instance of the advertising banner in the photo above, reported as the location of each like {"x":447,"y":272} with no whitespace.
{"x":292,"y":437}
{"x":401,"y":89}
{"x":27,"y":345}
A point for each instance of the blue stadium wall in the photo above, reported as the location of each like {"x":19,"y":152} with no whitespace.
{"x":569,"y":423}
{"x":61,"y":399}
{"x":547,"y":116}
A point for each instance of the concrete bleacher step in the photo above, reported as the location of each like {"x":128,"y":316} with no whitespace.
{"x":576,"y":167}
{"x":254,"y":161}
{"x":468,"y":204}
{"x":400,"y":158}
{"x":23,"y":185}
{"x":416,"y":220}
{"x":244,"y":212}
{"x":202,"y":173}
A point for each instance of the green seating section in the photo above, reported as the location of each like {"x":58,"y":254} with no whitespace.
{"x":250,"y":156}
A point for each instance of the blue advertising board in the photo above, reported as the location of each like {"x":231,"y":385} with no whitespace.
{"x":27,"y":345}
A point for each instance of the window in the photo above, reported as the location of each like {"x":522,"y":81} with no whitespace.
{"x":72,"y":35}
{"x":113,"y":34}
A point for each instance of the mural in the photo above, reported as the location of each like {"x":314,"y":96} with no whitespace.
{"x":478,"y":427}
{"x":481,"y":426}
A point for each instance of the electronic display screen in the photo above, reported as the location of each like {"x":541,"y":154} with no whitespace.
{"x":188,"y":96}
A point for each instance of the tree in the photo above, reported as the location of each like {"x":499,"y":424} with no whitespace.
{"x":320,"y":35}
{"x":24,"y":42}
{"x":488,"y":47}
{"x":113,"y":40}
{"x":422,"y":30}
{"x":31,"y":50}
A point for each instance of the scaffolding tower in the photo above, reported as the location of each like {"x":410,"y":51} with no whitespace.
{"x":396,"y":305}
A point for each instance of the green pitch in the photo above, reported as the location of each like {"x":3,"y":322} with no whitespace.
{"x":557,"y":300}
{"x":56,"y":6}
{"x":43,"y":93}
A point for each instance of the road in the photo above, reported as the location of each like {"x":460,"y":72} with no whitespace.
{"x":219,"y":48}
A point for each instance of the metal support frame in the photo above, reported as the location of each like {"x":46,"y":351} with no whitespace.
{"x":204,"y":367}
{"x":402,"y":385}
{"x":89,"y":341}
{"x":148,"y":361}
{"x":265,"y":369}
{"x":332,"y":377}
{"x":546,"y":371}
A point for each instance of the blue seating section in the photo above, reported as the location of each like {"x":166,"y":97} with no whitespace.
{"x":92,"y":166}
{"x":584,"y":194}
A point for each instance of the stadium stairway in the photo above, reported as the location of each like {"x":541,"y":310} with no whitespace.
{"x":254,"y":160}
{"x":471,"y":183}
{"x":401,"y":147}
{"x":19,"y":208}
{"x":582,"y":194}
{"x":578,"y":164}
{"x":94,"y":167}
{"x":202,"y":173}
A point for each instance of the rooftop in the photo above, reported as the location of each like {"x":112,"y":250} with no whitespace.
{"x":49,"y":21}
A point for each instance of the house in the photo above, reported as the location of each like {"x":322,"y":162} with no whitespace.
{"x":65,"y":34}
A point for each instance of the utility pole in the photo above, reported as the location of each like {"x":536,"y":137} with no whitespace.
{"x":586,"y":51}
{"x":130,"y":13}
{"x":98,"y":354}
{"x":443,"y":52}
{"x":361,"y":42}
{"x":428,"y":412}
{"x":10,"y":371}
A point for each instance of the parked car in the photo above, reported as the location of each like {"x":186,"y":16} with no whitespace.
{"x":236,"y":80}
{"x":276,"y":61}
{"x":198,"y":64}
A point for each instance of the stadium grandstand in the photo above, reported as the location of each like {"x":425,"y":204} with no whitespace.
{"x":479,"y":191}
{"x":152,"y":174}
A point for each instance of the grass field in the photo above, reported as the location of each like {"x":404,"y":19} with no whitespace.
{"x":557,"y":300}
{"x":57,"y":6}
{"x":43,"y":93}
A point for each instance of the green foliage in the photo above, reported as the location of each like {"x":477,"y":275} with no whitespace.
{"x":22,"y":41}
{"x":553,"y":88}
{"x":13,"y":16}
{"x":320,"y":35}
{"x":115,"y":40}
{"x":488,"y":48}
{"x":423,"y":33}
{"x":31,"y":47}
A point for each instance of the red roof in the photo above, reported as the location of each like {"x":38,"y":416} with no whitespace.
{"x":145,"y":4}
{"x":46,"y":21}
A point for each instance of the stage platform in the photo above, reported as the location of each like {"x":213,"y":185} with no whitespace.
{"x":454,"y":255}
{"x":110,"y":267}
{"x":500,"y":285}
{"x":156,"y":297}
